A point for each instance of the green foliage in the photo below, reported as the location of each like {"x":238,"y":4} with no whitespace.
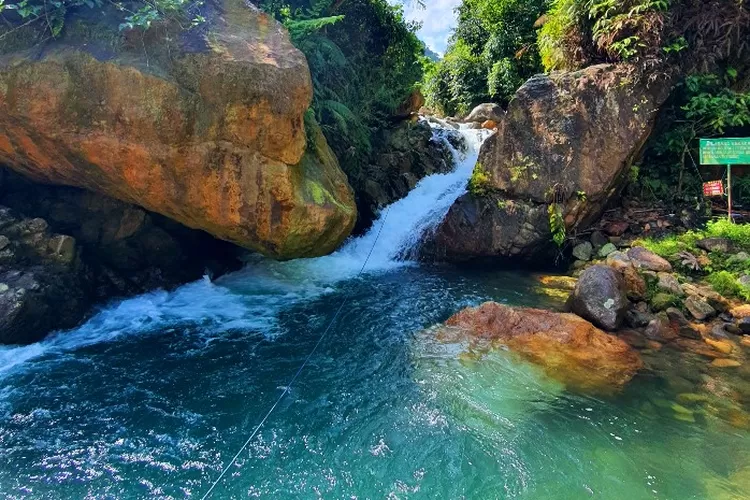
{"x":703,"y":105}
{"x":136,"y":13}
{"x":491,"y":53}
{"x":720,"y":270}
{"x":687,"y":33}
{"x":739,"y":234}
{"x":669,"y":246}
{"x":365,"y":60}
{"x":479,"y":183}
{"x":725,"y":283}
{"x":557,"y":224}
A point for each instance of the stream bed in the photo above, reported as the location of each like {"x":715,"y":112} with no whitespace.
{"x":154,"y":395}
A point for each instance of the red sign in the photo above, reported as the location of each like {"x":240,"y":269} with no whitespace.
{"x":713,"y":188}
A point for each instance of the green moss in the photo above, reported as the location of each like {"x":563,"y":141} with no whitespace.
{"x":662,"y":301}
{"x":739,"y":234}
{"x":318,"y":194}
{"x":727,"y":285}
{"x":479,"y":184}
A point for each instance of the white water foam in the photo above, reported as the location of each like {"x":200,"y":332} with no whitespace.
{"x":251,"y":299}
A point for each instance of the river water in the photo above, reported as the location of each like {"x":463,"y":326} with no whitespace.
{"x":154,"y":395}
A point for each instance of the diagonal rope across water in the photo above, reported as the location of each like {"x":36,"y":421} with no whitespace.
{"x":299,"y":371}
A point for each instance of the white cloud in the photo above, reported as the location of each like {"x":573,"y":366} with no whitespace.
{"x":437,"y":18}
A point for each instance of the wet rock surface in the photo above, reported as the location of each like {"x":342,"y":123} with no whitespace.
{"x":66,"y":249}
{"x":403,"y":155}
{"x":570,"y":349}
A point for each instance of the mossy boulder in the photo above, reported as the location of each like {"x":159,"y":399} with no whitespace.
{"x":204,"y":126}
{"x":567,"y":139}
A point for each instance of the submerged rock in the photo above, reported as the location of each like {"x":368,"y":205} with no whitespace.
{"x":204,"y":126}
{"x":568,"y":140}
{"x":569,"y":348}
{"x":600,"y":297}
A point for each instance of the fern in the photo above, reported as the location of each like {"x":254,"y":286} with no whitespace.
{"x":299,"y":29}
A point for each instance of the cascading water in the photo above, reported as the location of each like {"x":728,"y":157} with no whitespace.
{"x":252,"y":297}
{"x":153,"y":396}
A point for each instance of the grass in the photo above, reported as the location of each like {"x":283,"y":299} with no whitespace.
{"x":670,"y":246}
{"x":721,"y":271}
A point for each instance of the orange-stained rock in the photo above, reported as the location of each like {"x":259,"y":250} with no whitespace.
{"x":569,"y":348}
{"x":204,"y":126}
{"x":741,"y":311}
{"x":489,"y":124}
{"x":725,"y":363}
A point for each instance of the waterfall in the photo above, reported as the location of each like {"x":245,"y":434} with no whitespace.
{"x":252,"y":298}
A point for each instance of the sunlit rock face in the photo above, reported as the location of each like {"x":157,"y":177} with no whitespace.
{"x":204,"y":126}
{"x":568,"y":348}
{"x":568,"y":140}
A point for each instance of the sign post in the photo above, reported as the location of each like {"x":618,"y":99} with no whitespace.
{"x":726,"y":152}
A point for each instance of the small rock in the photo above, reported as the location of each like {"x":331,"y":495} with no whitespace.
{"x":719,"y":330}
{"x":740,"y":312}
{"x":660,"y":330}
{"x":579,"y":264}
{"x":745,"y":340}
{"x":722,"y":245}
{"x":725,"y":363}
{"x":4,"y":242}
{"x":744,"y":280}
{"x":647,"y":259}
{"x":485,"y":112}
{"x":699,"y":308}
{"x":637,"y":319}
{"x":606,"y":250}
{"x":633,"y":338}
{"x":489,"y":124}
{"x":720,"y":345}
{"x":668,"y":283}
{"x":583,"y":251}
{"x":617,"y":228}
{"x":619,"y":261}
{"x":684,"y":328}
{"x":732,"y":328}
{"x":635,"y":285}
{"x":692,"y":398}
{"x":654,"y":345}
{"x":599,"y":239}
{"x":738,"y":258}
{"x":744,"y":325}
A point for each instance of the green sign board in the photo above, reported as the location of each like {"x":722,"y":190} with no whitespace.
{"x":725,"y":151}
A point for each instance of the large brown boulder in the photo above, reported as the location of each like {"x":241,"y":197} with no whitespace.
{"x":204,"y":126}
{"x":568,"y":348}
{"x":568,"y":140}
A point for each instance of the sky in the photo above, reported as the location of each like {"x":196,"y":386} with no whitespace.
{"x":437,"y":18}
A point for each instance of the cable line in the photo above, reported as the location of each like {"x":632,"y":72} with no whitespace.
{"x":302,"y":367}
